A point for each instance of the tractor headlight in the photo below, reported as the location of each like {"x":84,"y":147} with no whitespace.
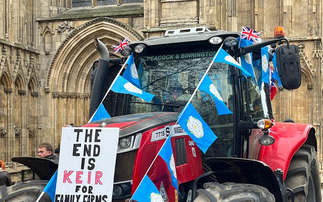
{"x":230,"y":42}
{"x":215,"y":40}
{"x":129,"y":143}
{"x":266,"y":140}
{"x":117,"y":191}
{"x":265,"y":125}
{"x":126,"y":51}
{"x":125,"y":143}
{"x":140,"y":48}
{"x":122,"y":190}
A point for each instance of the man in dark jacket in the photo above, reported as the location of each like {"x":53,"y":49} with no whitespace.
{"x":45,"y":150}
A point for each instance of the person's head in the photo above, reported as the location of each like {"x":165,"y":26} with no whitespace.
{"x":256,"y":104}
{"x":57,"y":151}
{"x":2,"y":165}
{"x":45,"y":149}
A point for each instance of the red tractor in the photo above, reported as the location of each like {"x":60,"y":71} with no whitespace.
{"x":253,"y":158}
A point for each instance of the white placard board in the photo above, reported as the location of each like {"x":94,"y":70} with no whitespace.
{"x":86,"y":164}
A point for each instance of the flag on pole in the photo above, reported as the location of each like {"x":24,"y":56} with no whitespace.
{"x":50,"y":188}
{"x":131,"y":73}
{"x":250,"y":34}
{"x":275,"y":74}
{"x":224,"y":57}
{"x":193,"y":124}
{"x":147,"y":191}
{"x":101,"y":113}
{"x":246,"y":60}
{"x":208,"y":87}
{"x":167,"y":155}
{"x":124,"y":43}
{"x":121,"y":85}
{"x":264,"y":65}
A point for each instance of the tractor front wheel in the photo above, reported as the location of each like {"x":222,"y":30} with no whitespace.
{"x":213,"y":191}
{"x":303,"y":175}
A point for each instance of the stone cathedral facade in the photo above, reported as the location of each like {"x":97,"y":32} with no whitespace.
{"x":47,"y":51}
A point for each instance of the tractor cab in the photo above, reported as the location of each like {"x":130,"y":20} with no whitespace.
{"x":170,"y":68}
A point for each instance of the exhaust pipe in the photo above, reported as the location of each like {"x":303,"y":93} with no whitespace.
{"x":99,"y":76}
{"x":103,"y":50}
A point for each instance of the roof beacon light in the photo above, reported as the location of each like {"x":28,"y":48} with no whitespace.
{"x":279,"y":32}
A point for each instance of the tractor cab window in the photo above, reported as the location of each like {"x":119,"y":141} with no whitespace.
{"x":257,"y":97}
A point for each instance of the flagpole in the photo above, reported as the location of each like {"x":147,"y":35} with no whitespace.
{"x":198,"y":85}
{"x":169,"y":136}
{"x":40,"y":196}
{"x":109,"y":89}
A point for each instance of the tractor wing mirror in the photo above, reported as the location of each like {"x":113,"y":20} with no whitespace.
{"x":288,"y":64}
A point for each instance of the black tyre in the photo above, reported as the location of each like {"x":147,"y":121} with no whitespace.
{"x":303,"y":175}
{"x":233,"y":192}
{"x":27,"y":192}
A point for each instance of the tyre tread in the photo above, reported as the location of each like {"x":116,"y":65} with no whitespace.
{"x":303,"y":167}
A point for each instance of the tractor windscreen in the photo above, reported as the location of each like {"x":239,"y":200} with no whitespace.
{"x":172,"y":78}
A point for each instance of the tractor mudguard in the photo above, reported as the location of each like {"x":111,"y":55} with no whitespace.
{"x":289,"y":137}
{"x":241,"y":170}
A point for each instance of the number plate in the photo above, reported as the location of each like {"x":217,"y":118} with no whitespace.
{"x":164,"y":132}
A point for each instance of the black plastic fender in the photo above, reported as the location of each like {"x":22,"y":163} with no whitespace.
{"x":250,"y":171}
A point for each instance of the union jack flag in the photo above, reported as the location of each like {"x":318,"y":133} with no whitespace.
{"x":250,"y":34}
{"x":124,"y":43}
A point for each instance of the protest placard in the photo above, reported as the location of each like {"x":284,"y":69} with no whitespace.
{"x":86,"y":164}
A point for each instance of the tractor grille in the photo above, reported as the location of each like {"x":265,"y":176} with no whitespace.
{"x":124,"y":166}
{"x":180,"y":149}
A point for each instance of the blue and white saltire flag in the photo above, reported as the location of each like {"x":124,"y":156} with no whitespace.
{"x":121,"y":85}
{"x":275,"y":74}
{"x":246,"y":60}
{"x":101,"y":113}
{"x":224,"y":57}
{"x":50,"y":188}
{"x":193,"y":124}
{"x":264,"y":65}
{"x":147,"y":191}
{"x":131,"y":73}
{"x":208,"y":87}
{"x":166,"y":152}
